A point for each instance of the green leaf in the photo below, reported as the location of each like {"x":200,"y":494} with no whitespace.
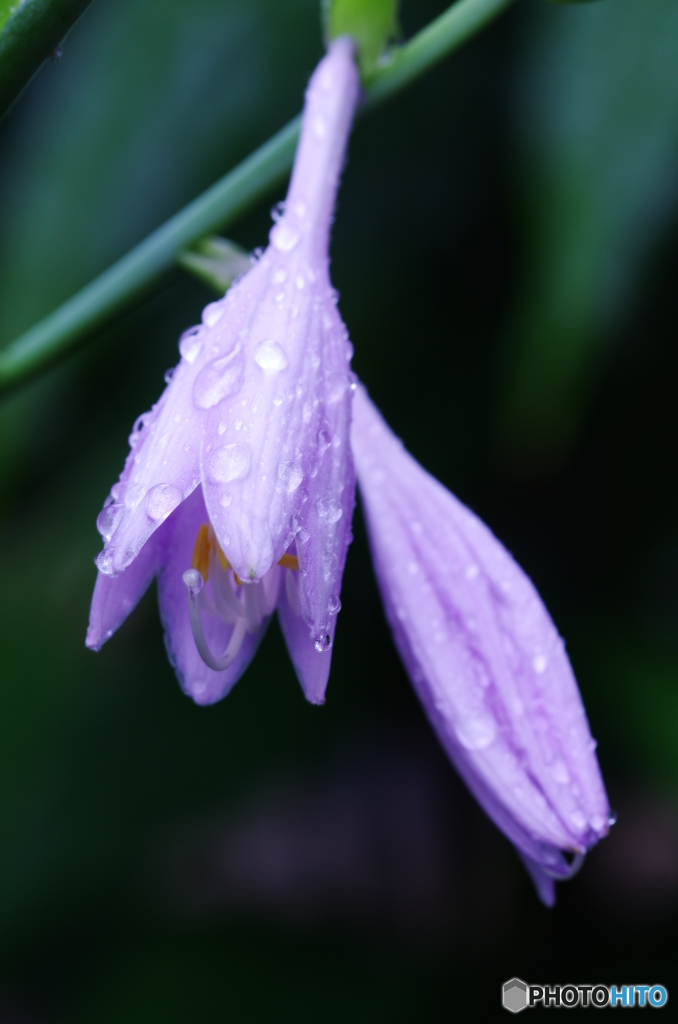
{"x":216,"y":262}
{"x":598,"y":173}
{"x":30,"y":30}
{"x":372,"y":23}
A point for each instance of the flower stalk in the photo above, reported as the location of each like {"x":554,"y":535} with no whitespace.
{"x":132,"y":277}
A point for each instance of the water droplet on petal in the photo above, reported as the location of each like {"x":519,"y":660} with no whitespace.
{"x":471,"y":572}
{"x":319,"y":127}
{"x":322,"y":642}
{"x":612,"y":820}
{"x":232,"y":462}
{"x":104,"y":561}
{"x":280,"y":276}
{"x":161,"y":500}
{"x":337,"y":385}
{"x":291,"y":475}
{"x":303,"y":536}
{"x":539,"y":663}
{"x":476,"y":732}
{"x":108,"y":519}
{"x":190,"y":344}
{"x":560,"y":772}
{"x":269,"y":355}
{"x":225,"y":500}
{"x":295,"y":525}
{"x":333,"y":604}
{"x":133,"y":495}
{"x":219,"y":379}
{"x":324,"y":440}
{"x":284,"y":237}
{"x":598,"y":823}
{"x":578,"y":821}
{"x":212,"y":313}
{"x":278,"y":211}
{"x":169,"y":374}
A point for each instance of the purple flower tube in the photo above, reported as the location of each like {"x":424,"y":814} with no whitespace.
{"x":238,"y":491}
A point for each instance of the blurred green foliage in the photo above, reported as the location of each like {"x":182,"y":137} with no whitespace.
{"x":597,"y":170}
{"x":528,"y":180}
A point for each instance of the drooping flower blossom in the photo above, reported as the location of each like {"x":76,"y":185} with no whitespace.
{"x":484,"y":658}
{"x":238,"y":491}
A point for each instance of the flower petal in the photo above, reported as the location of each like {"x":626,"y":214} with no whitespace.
{"x":271,"y":455}
{"x":197,"y":680}
{"x":482,"y":653}
{"x":311,"y":665}
{"x":115,"y":597}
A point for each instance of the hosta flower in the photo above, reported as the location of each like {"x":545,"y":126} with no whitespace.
{"x":239,"y":488}
{"x":484,"y":657}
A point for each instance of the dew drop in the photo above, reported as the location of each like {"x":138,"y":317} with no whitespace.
{"x":336,"y":387}
{"x":280,"y":276}
{"x":333,"y":604}
{"x":219,"y":379}
{"x":161,"y":500}
{"x":560,"y":772}
{"x":291,"y":475}
{"x":104,"y":561}
{"x":295,"y":525}
{"x":269,"y":355}
{"x":303,"y":536}
{"x":471,"y":572}
{"x":212,"y":313}
{"x":322,"y":642}
{"x":578,"y":821}
{"x":476,"y":732}
{"x":319,"y":127}
{"x":598,"y":823}
{"x":278,"y":212}
{"x":169,"y":374}
{"x":284,"y":238}
{"x":225,"y":500}
{"x":539,"y":663}
{"x":190,"y":344}
{"x":231,"y":462}
{"x":108,"y":519}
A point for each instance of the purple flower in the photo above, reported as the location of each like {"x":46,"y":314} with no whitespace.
{"x":484,"y":657}
{"x":238,"y":491}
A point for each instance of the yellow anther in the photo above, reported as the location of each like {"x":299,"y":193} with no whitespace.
{"x":238,"y":581}
{"x":201,"y":552}
{"x":289,"y":562}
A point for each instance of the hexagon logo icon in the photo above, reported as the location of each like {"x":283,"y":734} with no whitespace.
{"x":514,"y":995}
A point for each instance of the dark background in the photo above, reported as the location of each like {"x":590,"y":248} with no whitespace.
{"x":506,"y":252}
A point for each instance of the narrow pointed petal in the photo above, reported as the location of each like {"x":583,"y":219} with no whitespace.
{"x":275,"y":459}
{"x":482,"y":652}
{"x":161,"y":469}
{"x":543,"y":883}
{"x":198,"y":681}
{"x":115,"y":597}
{"x":311,"y":665}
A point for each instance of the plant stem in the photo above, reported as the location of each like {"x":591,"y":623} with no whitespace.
{"x":30,"y":34}
{"x":113,"y":291}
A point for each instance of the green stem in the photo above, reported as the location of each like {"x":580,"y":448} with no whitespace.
{"x":220,"y":205}
{"x":29,"y":35}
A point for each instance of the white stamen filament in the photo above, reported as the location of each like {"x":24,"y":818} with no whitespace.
{"x":194,"y":584}
{"x":242,"y":605}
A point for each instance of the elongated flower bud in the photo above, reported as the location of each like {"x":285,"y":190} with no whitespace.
{"x":484,"y":657}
